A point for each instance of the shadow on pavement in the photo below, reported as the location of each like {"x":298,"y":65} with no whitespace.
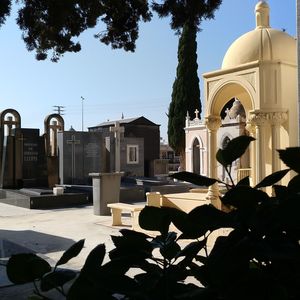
{"x":13,"y":242}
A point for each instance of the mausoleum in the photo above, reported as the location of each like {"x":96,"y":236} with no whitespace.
{"x":258,"y":74}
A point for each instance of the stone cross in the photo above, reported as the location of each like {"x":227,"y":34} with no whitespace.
{"x":73,"y":142}
{"x":197,"y":114}
{"x":10,"y":123}
{"x":54,"y":127}
{"x":117,"y":130}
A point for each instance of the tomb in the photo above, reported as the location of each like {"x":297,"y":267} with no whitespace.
{"x":260,"y":70}
{"x":80,"y":153}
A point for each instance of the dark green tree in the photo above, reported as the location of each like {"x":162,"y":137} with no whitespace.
{"x":186,"y":15}
{"x":186,"y":91}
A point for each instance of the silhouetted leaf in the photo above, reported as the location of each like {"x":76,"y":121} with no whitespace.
{"x":73,"y":251}
{"x":177,"y":217}
{"x":234,"y":150}
{"x":160,"y":240}
{"x":244,"y":197}
{"x":294,"y":184}
{"x":26,"y":267}
{"x":56,"y":279}
{"x":205,"y":218}
{"x":194,"y":178}
{"x":117,"y":266}
{"x":154,"y":219}
{"x":134,"y":246}
{"x":220,"y":156}
{"x":191,"y":251}
{"x":170,"y":250}
{"x":94,"y":259}
{"x":289,"y":213}
{"x":291,"y":157}
{"x":85,"y":288}
{"x":134,"y":234}
{"x":272,"y":179}
{"x":281,"y":192}
{"x":244,"y":181}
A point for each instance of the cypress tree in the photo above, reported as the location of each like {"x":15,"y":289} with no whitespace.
{"x":186,"y":91}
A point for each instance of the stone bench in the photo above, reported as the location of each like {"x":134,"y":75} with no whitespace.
{"x":118,"y":208}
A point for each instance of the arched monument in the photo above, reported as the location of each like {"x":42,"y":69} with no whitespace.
{"x":52,"y":125}
{"x":260,"y":70}
{"x":9,"y":119}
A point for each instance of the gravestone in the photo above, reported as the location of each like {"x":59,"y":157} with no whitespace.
{"x":31,"y":167}
{"x":80,"y":153}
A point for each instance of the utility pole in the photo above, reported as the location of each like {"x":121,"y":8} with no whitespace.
{"x":59,"y":109}
{"x":82,"y":98}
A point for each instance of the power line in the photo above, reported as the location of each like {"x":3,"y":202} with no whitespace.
{"x":59,"y":109}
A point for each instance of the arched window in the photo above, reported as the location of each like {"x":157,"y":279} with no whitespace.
{"x":196,"y":156}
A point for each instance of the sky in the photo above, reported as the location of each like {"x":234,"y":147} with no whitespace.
{"x":115,"y":82}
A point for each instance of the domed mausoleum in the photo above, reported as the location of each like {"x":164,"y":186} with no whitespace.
{"x":254,"y":93}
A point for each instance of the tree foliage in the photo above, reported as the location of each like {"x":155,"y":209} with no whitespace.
{"x":54,"y":26}
{"x":186,"y":91}
{"x":183,"y":11}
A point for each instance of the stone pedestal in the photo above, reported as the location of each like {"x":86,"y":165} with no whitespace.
{"x":106,"y":189}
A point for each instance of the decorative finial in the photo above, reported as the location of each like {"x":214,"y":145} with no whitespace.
{"x":197,"y":114}
{"x":122,"y":117}
{"x":262,"y":13}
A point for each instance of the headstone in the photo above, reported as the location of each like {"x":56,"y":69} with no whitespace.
{"x":31,"y":169}
{"x":80,"y":153}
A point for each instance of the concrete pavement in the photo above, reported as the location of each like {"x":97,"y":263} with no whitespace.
{"x":49,"y":233}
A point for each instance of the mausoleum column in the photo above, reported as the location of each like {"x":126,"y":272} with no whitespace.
{"x":250,"y":127}
{"x":276,"y":119}
{"x":260,"y":120}
{"x":213,"y":123}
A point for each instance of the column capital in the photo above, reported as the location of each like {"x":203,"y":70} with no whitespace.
{"x":258,"y":118}
{"x":213,"y":123}
{"x":277,"y":118}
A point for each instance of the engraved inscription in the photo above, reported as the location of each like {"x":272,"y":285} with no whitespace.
{"x":30,"y":152}
{"x":92,"y":150}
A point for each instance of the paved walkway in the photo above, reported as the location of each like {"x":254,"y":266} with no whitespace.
{"x":48,"y":233}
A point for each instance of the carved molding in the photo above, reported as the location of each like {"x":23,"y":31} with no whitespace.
{"x":264,"y":118}
{"x":278,"y":118}
{"x":259,"y":118}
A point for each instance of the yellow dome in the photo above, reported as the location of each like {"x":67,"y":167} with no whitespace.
{"x":261,"y":44}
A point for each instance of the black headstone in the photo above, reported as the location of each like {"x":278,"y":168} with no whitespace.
{"x":31,"y":170}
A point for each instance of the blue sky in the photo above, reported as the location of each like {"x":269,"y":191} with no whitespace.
{"x":114,"y":81}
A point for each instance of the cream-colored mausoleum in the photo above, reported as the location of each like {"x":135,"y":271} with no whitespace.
{"x":254,"y":93}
